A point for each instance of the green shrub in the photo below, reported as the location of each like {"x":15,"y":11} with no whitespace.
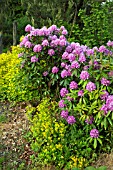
{"x":13,"y":82}
{"x":53,"y":141}
{"x":95,"y":26}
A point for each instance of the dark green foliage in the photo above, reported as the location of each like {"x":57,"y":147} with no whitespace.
{"x":9,"y":12}
{"x":89,"y":22}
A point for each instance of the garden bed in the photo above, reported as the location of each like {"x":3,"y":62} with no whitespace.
{"x":15,"y":150}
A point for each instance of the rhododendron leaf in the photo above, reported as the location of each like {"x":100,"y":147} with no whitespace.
{"x":97,"y":77}
{"x":84,"y":85}
{"x":110,"y":121}
{"x":95,"y":143}
{"x":81,"y":81}
{"x":84,"y":101}
{"x":61,"y":82}
{"x":57,"y":76}
{"x":112,"y":115}
{"x":105,"y":123}
{"x":108,"y":113}
{"x":100,"y":141}
{"x":96,"y":96}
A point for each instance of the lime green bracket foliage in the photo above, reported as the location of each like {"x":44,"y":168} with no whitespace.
{"x":49,"y":140}
{"x":13,"y":83}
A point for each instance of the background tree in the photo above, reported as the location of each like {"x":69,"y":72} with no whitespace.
{"x":11,"y":10}
{"x":87,"y":21}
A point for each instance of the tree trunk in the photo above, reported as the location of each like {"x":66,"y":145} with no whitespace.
{"x":14,"y":33}
{"x":1,"y":46}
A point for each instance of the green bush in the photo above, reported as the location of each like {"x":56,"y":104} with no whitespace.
{"x":13,"y":82}
{"x":95,"y":26}
{"x":54,"y":142}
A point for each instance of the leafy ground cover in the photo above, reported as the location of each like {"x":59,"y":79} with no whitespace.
{"x":15,"y":151}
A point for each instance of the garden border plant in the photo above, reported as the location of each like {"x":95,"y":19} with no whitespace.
{"x":80,"y":79}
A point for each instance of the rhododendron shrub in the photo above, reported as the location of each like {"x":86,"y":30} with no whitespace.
{"x":42,"y":51}
{"x":87,"y":92}
{"x":81,"y":78}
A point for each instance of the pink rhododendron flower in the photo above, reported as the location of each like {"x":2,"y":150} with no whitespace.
{"x":28,"y":28}
{"x":105,"y":82}
{"x":37,"y":48}
{"x":64,"y":73}
{"x":94,"y":133}
{"x":71,"y":120}
{"x":63,"y":92}
{"x":102,"y":49}
{"x":84,"y":75}
{"x":45,"y":43}
{"x":45,"y":73}
{"x":55,"y":70}
{"x":28,"y":44}
{"x":81,"y":93}
{"x":51,"y":52}
{"x":61,"y":104}
{"x":73,"y":85}
{"x":34,"y":59}
{"x":64,"y":114}
{"x":90,"y":86}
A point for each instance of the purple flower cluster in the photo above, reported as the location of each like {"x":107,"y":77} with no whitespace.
{"x":75,"y":64}
{"x":105,"y":82}
{"x":104,"y":95}
{"x":110,"y":43}
{"x":55,"y":70}
{"x":90,"y":120}
{"x":80,"y":93}
{"x":73,"y":85}
{"x":71,"y":57}
{"x":64,"y":73}
{"x":71,"y":120}
{"x":82,"y":58}
{"x":63,"y":64}
{"x":109,"y":102}
{"x":90,"y":86}
{"x":34,"y":59}
{"x":51,"y":52}
{"x":45,"y":73}
{"x":45,"y":43}
{"x":64,"y":114}
{"x":61,"y":104}
{"x":90,"y":52}
{"x":94,"y":133}
{"x":28,"y":44}
{"x":37,"y":48}
{"x":28,"y":28}
{"x":102,"y":49}
{"x":84,"y":75}
{"x":63,"y":92}
{"x":108,"y":106}
{"x":104,"y":109}
{"x":65,"y":55}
